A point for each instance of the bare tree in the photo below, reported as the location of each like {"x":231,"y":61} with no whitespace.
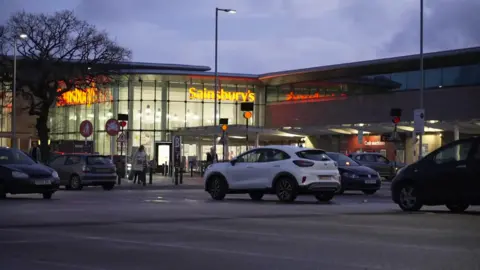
{"x":61,"y":53}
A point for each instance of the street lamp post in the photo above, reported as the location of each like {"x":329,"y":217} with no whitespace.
{"x":14,"y":91}
{"x":216,"y":79}
{"x":422,"y":77}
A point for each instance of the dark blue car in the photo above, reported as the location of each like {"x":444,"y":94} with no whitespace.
{"x":19,"y":174}
{"x":355,"y":176}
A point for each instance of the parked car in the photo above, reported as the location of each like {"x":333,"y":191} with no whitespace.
{"x":355,"y":176}
{"x":79,"y":170}
{"x":286,"y":171}
{"x":448,"y":176}
{"x":19,"y":174}
{"x":385,"y":167}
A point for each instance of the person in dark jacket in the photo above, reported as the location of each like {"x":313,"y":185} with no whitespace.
{"x":34,"y":152}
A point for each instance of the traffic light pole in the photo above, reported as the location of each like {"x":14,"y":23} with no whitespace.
{"x":246,"y":126}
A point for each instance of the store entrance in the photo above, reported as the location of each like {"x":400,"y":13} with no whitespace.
{"x":163,"y":153}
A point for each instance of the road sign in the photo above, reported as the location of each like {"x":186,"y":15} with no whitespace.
{"x":86,"y":128}
{"x":419,"y":121}
{"x":177,"y":146}
{"x":122,"y":138}
{"x":112,"y":127}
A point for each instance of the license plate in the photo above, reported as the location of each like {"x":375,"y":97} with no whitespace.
{"x":42,"y":182}
{"x":323,"y":177}
{"x":370,"y":181}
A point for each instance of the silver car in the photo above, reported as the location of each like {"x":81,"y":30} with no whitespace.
{"x":79,"y":170}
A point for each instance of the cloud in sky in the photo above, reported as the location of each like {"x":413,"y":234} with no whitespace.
{"x":272,"y":35}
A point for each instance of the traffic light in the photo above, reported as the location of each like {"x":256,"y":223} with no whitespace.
{"x":396,"y":120}
{"x":224,"y":127}
{"x":247,"y":115}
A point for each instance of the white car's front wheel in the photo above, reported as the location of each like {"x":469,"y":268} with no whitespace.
{"x":217,"y":188}
{"x":286,"y":189}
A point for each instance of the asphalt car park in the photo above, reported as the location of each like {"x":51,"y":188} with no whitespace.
{"x":185,"y":229}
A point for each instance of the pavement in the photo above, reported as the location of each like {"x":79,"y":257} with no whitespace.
{"x":181,"y":229}
{"x":164,"y":182}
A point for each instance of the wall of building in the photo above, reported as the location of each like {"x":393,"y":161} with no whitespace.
{"x":430,"y":143}
{"x":376,"y":108}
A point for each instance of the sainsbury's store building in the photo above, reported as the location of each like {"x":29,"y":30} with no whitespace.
{"x":324,"y":106}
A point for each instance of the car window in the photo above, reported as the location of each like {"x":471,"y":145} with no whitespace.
{"x":270,"y":155}
{"x":12,"y":156}
{"x":382,"y":159}
{"x":98,"y":160}
{"x":342,"y":160}
{"x":317,"y":155}
{"x":58,"y":161}
{"x":249,"y":157}
{"x":71,"y":160}
{"x":359,"y":158}
{"x":453,"y":153}
{"x":368,"y":158}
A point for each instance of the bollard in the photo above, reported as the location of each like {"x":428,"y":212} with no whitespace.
{"x":150,"y":176}
{"x":176,"y":176}
{"x":181,"y":176}
{"x":191,"y":171}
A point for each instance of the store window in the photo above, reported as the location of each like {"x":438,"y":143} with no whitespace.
{"x":433,"y":78}
{"x":413,"y":79}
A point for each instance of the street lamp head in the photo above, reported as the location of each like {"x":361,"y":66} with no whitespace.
{"x":23,"y":36}
{"x":228,"y":10}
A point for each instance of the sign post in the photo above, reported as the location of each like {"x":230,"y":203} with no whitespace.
{"x":112,"y":127}
{"x":177,"y":158}
{"x":419,"y":128}
{"x":86,"y":130}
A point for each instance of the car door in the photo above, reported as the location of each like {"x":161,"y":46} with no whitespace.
{"x":243,"y":172}
{"x":473,"y":167}
{"x":383,"y":165}
{"x":447,"y":178}
{"x":368,"y":160}
{"x":269,"y":165}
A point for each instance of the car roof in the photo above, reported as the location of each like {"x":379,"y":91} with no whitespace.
{"x":287,"y":148}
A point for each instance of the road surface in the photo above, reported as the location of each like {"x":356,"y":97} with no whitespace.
{"x":183,"y":229}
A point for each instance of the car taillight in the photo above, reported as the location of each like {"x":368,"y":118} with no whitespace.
{"x":303,"y":163}
{"x":86,"y":169}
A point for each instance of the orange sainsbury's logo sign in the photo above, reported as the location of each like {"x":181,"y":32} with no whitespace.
{"x":205,"y":94}
{"x":317,"y":96}
{"x":87,"y":97}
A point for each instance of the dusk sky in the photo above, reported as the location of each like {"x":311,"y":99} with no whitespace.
{"x":272,"y":35}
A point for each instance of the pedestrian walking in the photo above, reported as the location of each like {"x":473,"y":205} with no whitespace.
{"x":139,"y":166}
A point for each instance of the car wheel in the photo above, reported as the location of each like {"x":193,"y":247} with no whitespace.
{"x":108,"y":186}
{"x":369,"y":192}
{"x":75,"y":183}
{"x":408,"y":200}
{"x":47,"y":195}
{"x":286,"y":190}
{"x":256,"y":195}
{"x":457,"y":208}
{"x":3,"y":192}
{"x":217,"y":188}
{"x":324,"y":196}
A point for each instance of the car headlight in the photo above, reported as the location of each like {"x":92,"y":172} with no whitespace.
{"x":19,"y":175}
{"x":349,"y":175}
{"x":55,"y":174}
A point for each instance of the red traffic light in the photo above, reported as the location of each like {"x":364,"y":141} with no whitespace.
{"x":396,"y":120}
{"x":123,"y":123}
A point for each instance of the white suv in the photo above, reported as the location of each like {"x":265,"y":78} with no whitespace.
{"x":286,"y":171}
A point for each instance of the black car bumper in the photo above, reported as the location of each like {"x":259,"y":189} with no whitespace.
{"x":320,"y":187}
{"x":360,"y":183}
{"x":30,"y":186}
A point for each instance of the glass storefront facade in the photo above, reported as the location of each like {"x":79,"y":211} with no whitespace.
{"x":156,"y":109}
{"x":455,"y":76}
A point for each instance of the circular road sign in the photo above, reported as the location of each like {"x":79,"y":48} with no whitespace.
{"x":112,"y":127}
{"x":86,"y":128}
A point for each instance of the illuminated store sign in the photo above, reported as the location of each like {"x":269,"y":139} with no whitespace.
{"x":317,"y":96}
{"x":205,"y":94}
{"x":87,"y":97}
